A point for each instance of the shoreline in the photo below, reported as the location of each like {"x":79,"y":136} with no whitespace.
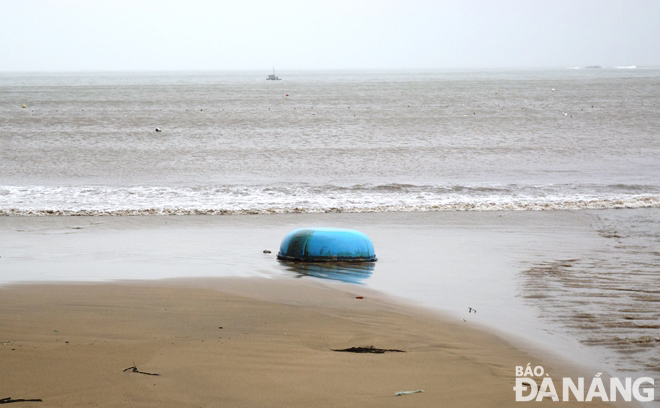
{"x":70,"y":343}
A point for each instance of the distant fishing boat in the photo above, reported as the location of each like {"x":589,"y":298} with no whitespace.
{"x":272,"y":77}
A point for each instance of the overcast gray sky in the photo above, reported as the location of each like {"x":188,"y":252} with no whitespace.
{"x":72,"y":35}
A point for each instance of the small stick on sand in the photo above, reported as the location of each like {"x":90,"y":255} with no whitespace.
{"x":398,"y":394}
{"x":370,"y":349}
{"x":134,"y":369}
{"x":9,"y":400}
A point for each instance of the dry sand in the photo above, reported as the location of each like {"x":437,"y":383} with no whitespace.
{"x":247,"y":342}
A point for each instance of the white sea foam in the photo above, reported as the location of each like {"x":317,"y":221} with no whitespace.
{"x":245,"y":199}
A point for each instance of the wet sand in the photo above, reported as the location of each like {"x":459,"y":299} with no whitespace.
{"x":70,"y":345}
{"x":443,"y":260}
{"x":178,"y":279}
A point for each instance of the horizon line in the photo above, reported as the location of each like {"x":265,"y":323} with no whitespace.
{"x":422,"y":69}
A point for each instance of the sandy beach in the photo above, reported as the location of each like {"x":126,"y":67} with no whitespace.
{"x":195,"y":300}
{"x":70,"y":345}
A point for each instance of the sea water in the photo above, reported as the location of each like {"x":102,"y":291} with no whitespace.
{"x":328,"y":142}
{"x":586,"y":141}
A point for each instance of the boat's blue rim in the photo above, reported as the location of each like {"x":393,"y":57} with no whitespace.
{"x":326,"y":259}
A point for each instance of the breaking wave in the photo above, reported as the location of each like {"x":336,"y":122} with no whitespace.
{"x":305,"y":198}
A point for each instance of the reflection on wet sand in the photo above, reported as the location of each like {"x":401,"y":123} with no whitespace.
{"x":350,"y":272}
{"x":610,"y":297}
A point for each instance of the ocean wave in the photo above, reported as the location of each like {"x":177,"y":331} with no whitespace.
{"x":279,"y":199}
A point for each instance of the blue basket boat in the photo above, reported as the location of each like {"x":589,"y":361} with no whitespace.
{"x":326,"y":245}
